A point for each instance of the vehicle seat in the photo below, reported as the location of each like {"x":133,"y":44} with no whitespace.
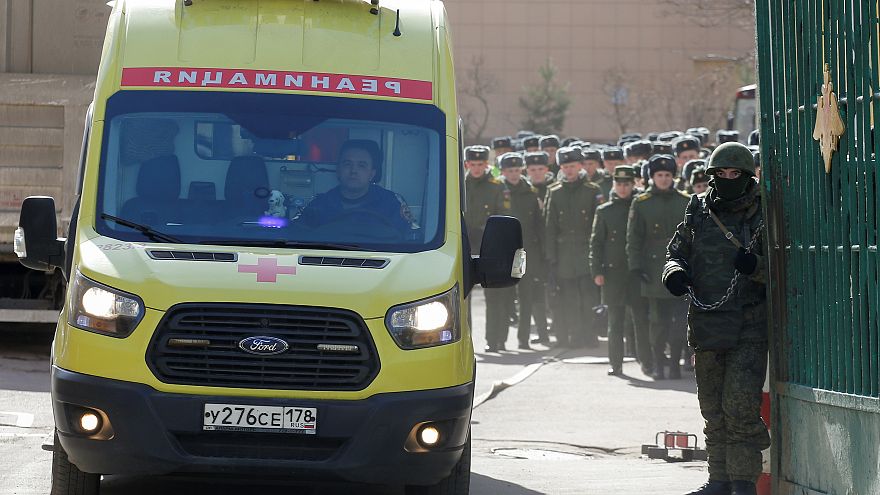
{"x":158,"y":193}
{"x":247,"y":187}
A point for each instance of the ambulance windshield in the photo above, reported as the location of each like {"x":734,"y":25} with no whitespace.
{"x":256,"y":169}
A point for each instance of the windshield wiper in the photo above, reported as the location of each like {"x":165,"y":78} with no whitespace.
{"x":143,"y":229}
{"x":283,"y":243}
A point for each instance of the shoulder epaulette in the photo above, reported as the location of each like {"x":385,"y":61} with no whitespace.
{"x":533,"y":189}
{"x":554,"y":186}
{"x":685,"y":194}
{"x":591,"y":184}
{"x":493,"y":180}
{"x":643,"y":197}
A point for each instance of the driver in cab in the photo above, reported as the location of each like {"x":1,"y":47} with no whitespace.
{"x":358,"y":198}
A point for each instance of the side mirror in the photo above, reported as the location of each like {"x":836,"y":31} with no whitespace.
{"x":502,"y":261}
{"x":36,"y":243}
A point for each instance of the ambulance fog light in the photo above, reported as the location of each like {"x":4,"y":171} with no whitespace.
{"x":89,"y":422}
{"x":429,"y":436}
{"x":426,"y":323}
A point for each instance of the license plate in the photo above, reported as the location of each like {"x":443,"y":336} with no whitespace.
{"x":275,"y":419}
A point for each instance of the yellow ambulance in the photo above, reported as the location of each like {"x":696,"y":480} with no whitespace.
{"x":267,"y":268}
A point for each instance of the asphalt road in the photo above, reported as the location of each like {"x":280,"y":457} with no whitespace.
{"x":545,"y":422}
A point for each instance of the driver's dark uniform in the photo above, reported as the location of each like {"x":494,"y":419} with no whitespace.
{"x":331,"y":205}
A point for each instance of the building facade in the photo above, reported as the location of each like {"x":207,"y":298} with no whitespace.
{"x":636,"y":62}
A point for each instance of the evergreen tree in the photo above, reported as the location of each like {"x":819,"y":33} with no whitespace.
{"x":546,"y":103}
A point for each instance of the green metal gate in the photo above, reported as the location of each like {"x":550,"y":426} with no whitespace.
{"x":822,"y":228}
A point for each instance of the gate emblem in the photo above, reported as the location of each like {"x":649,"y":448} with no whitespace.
{"x":829,"y":125}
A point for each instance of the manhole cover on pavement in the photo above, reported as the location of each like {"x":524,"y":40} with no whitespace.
{"x":539,"y":454}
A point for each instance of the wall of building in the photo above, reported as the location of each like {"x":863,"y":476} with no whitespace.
{"x":587,"y":40}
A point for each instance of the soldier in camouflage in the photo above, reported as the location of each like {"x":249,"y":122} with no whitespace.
{"x":653,"y":218}
{"x":569,"y":210}
{"x":720,"y":242}
{"x":525,"y":206}
{"x":608,"y":262}
{"x":486,"y":197}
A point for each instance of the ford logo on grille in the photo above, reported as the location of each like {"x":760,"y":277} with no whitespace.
{"x":263,"y":346}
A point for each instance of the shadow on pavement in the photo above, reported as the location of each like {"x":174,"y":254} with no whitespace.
{"x":685,"y":384}
{"x":24,"y":357}
{"x":171,"y":485}
{"x":484,"y":485}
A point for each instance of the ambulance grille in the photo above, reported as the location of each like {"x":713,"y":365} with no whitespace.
{"x":198,"y":344}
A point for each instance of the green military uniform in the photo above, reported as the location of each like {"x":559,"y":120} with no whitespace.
{"x":653,"y":219}
{"x":486,"y":196}
{"x":525,"y":206}
{"x":730,"y":341}
{"x":608,"y":259}
{"x":569,"y":212}
{"x":600,"y":178}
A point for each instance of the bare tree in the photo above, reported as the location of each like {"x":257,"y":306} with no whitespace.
{"x":623,"y":108}
{"x":477,"y":84}
{"x":709,"y":13}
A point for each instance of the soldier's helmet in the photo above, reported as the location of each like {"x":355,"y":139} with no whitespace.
{"x":731,"y":155}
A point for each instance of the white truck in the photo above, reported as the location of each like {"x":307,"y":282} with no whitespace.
{"x":49,"y":52}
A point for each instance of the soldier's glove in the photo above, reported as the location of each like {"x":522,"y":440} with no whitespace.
{"x":745,"y":262}
{"x":677,"y":283}
{"x":641,"y":275}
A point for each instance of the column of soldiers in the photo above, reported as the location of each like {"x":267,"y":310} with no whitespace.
{"x":596,"y":222}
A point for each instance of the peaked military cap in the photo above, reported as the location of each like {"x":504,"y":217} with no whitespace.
{"x":537,"y":158}
{"x":501,"y":142}
{"x":723,"y":136}
{"x":755,"y":138}
{"x":551,"y":141}
{"x":511,"y":160}
{"x":690,"y":166}
{"x":685,"y":143}
{"x":638,"y":148}
{"x":653,"y":136}
{"x":531,"y":142}
{"x":569,"y":154}
{"x":669,"y":136}
{"x":612,"y":153}
{"x":699,"y":175}
{"x":661,"y":163}
{"x":476,"y":153}
{"x":591,"y":154}
{"x":662,"y":148}
{"x":624,"y":173}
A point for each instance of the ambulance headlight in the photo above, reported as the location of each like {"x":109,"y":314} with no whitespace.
{"x":98,"y":308}
{"x":426,"y":323}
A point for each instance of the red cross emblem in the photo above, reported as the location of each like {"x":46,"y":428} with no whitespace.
{"x":267,"y":269}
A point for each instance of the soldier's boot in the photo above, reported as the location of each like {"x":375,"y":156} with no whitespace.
{"x":712,"y":487}
{"x":674,"y":371}
{"x":741,"y":487}
{"x":658,"y":373}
